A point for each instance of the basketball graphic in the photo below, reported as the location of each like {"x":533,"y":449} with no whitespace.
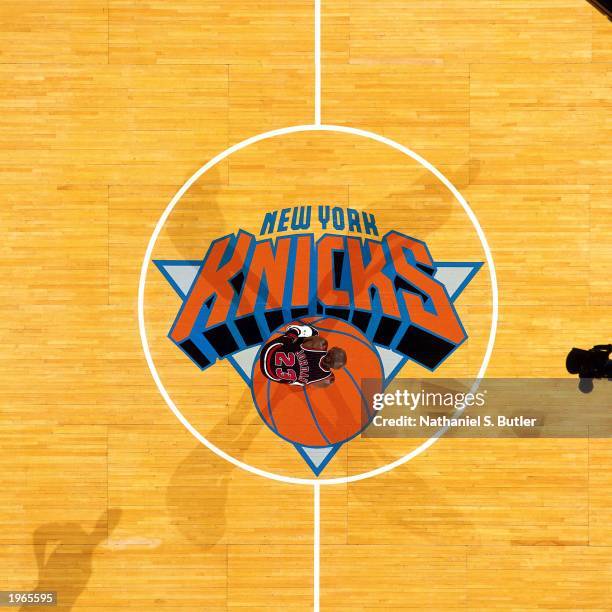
{"x":315,"y":323}
{"x":317,"y":416}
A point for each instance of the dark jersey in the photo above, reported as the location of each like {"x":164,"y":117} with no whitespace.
{"x":285,"y":360}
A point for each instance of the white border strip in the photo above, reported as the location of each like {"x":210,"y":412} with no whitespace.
{"x":317,"y":546}
{"x":164,"y":217}
{"x":317,"y":61}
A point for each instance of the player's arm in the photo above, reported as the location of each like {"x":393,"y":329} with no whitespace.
{"x":316,"y":343}
{"x":325,"y":382}
{"x":294,"y":332}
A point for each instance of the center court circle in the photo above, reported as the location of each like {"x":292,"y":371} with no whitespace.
{"x":211,"y":164}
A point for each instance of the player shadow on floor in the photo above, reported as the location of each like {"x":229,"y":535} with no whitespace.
{"x":431,"y":519}
{"x":64,"y":554}
{"x":198,"y":207}
{"x":197,"y":494}
{"x":198,"y":490}
{"x":207,"y":206}
{"x":439,"y":215}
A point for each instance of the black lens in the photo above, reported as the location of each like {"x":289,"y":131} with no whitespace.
{"x":575,"y":359}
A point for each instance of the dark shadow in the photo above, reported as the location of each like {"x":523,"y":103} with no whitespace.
{"x":462,"y":177}
{"x":429,"y":504}
{"x":64,"y":553}
{"x":197,"y":493}
{"x":603,"y":6}
{"x":199,"y":205}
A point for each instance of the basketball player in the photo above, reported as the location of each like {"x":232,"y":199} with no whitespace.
{"x":301,"y":357}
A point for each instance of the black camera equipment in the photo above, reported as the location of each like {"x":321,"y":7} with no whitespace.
{"x":594,"y":363}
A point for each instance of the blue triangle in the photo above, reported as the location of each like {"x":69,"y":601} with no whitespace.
{"x":317,"y":457}
{"x":180,"y":274}
{"x":456,"y":276}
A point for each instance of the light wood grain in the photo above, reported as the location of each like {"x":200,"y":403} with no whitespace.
{"x":106,"y":108}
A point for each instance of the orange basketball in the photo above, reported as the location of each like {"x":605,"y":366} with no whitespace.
{"x":322,"y":416}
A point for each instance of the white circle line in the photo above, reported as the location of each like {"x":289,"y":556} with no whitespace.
{"x":213,"y":162}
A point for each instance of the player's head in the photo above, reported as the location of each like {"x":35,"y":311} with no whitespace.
{"x":335,"y":358}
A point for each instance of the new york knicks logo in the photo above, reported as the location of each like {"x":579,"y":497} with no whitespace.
{"x":312,"y":307}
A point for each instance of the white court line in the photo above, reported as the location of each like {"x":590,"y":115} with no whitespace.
{"x":317,"y":487}
{"x":317,"y":126}
{"x":219,"y":158}
{"x":317,"y":545}
{"x":317,"y":55}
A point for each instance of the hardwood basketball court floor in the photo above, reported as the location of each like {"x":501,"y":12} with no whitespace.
{"x":107,"y":108}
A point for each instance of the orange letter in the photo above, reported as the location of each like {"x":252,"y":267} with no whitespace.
{"x":213,"y":280}
{"x":444,"y":322}
{"x":301,"y":274}
{"x":274,"y":266}
{"x":365,"y":276}
{"x":327,"y":293}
